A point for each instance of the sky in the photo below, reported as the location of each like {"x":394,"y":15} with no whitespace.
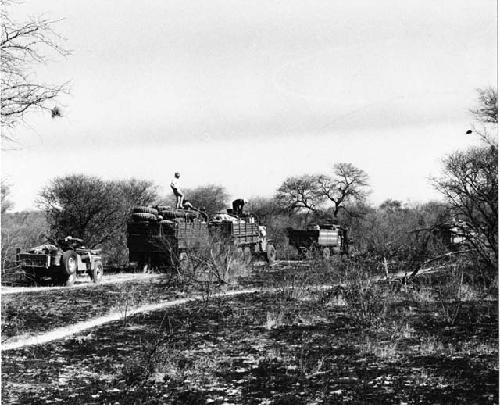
{"x":245,"y":94}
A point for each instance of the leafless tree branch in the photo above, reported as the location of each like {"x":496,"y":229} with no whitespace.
{"x":23,"y":47}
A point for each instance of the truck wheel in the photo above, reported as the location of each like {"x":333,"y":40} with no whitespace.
{"x":97,"y":273}
{"x":33,"y":276}
{"x":326,"y":253}
{"x":247,"y":255}
{"x":143,"y":262}
{"x":271,"y":254}
{"x":70,"y":262}
{"x":184,"y":262}
{"x":238,"y":254}
{"x":70,"y":266}
{"x":70,"y":280}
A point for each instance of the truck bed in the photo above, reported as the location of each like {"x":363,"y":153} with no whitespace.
{"x":237,"y":233}
{"x":162,"y":237}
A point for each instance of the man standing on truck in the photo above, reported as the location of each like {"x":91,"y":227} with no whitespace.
{"x":176,"y":188}
{"x":238,"y":205}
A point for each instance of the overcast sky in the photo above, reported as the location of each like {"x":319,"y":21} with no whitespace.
{"x":244,"y":94}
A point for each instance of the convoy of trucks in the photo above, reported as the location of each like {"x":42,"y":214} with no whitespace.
{"x":160,"y":237}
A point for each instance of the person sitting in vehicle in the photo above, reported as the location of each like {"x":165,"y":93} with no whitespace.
{"x":175,"y":184}
{"x":238,"y":205}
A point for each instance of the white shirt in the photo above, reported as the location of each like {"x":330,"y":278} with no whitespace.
{"x":176,"y":183}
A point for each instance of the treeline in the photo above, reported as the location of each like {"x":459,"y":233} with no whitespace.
{"x":392,"y":235}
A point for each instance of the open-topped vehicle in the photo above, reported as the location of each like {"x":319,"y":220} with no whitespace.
{"x":61,"y":261}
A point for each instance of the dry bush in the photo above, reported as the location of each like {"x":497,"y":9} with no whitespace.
{"x":21,"y":230}
{"x":207,"y":267}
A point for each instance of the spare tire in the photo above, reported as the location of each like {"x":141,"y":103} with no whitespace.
{"x":167,"y":213}
{"x":171,"y":214}
{"x":143,"y":216}
{"x":146,"y":210}
{"x":138,"y":222}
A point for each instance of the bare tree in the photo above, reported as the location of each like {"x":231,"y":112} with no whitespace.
{"x":487,"y":108}
{"x":348,"y":184}
{"x":470,"y":184}
{"x":24,"y":45}
{"x":299,"y":193}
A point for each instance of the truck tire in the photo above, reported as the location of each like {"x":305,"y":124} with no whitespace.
{"x":69,"y":266}
{"x":143,"y":216}
{"x":144,"y":263}
{"x":97,"y":272}
{"x":145,"y":210}
{"x":70,"y":280}
{"x":247,"y":255}
{"x":33,"y":276}
{"x":166,"y":222}
{"x":171,"y":214}
{"x":184,"y":263}
{"x":271,"y":254}
{"x":167,"y":214}
{"x":70,"y":262}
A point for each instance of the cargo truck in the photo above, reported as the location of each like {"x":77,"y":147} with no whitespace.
{"x":327,"y":239}
{"x":160,"y":237}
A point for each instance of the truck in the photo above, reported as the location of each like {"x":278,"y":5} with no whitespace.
{"x":62,"y":261}
{"x":326,"y":239}
{"x":247,"y":237}
{"x":161,"y":237}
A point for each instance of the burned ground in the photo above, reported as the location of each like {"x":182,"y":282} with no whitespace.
{"x":40,"y":311}
{"x":292,"y":346}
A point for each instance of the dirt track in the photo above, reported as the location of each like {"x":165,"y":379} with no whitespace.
{"x":66,"y":331}
{"x":21,"y":341}
{"x":84,"y":282}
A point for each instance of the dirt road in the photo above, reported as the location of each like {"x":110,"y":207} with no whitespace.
{"x":66,"y":331}
{"x":84,"y":282}
{"x":25,"y":340}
